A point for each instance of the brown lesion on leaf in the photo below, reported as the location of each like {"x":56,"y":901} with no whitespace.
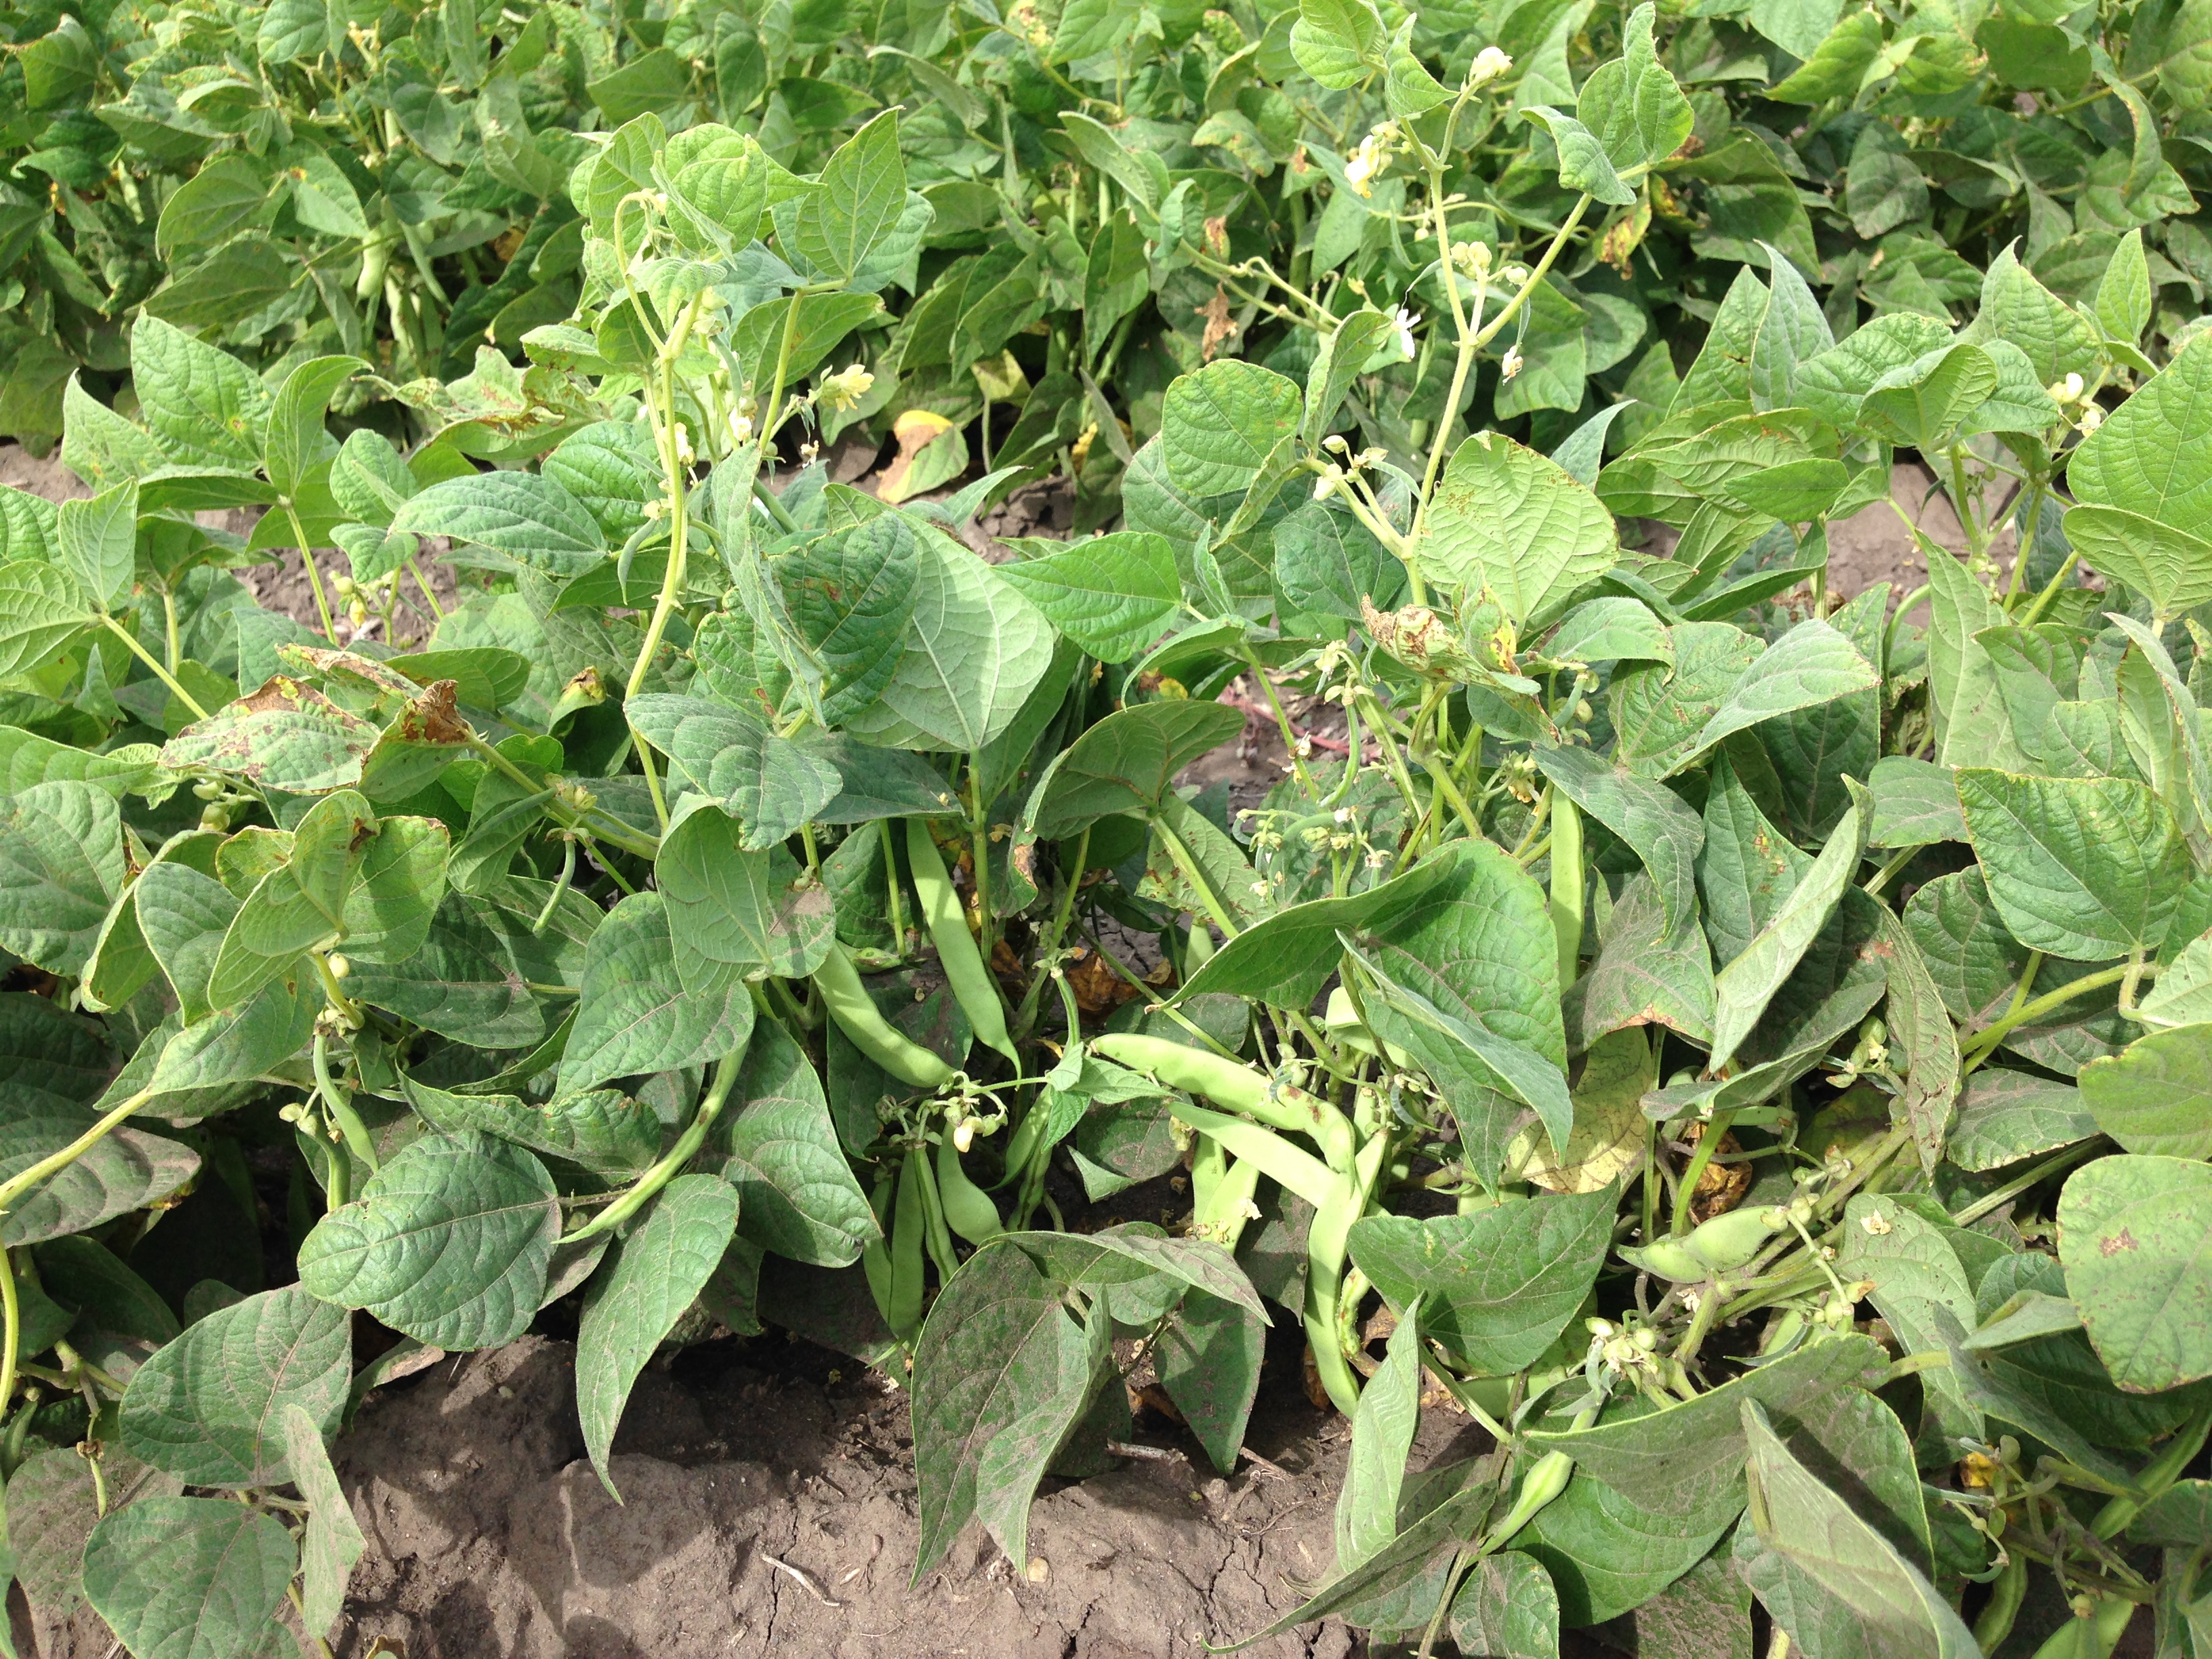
{"x":2118,"y":1243}
{"x":432,"y":717}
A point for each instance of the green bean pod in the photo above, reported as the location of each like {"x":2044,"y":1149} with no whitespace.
{"x":965,"y":968}
{"x":1236,"y":1087}
{"x":876,"y":1254}
{"x":858,"y":1017}
{"x":968,"y":1210}
{"x":1710,"y":1247}
{"x":2093,"y":1638}
{"x":908,"y":1226}
{"x":938,"y":1236}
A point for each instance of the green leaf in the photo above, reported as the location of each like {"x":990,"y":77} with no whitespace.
{"x":1633,"y":104}
{"x":1327,"y":561}
{"x":2086,"y":868}
{"x":1665,"y":833}
{"x":1382,"y":1426}
{"x":203,"y":406}
{"x":62,"y":863}
{"x":1659,"y":714}
{"x":975,"y":649}
{"x":1825,"y":1570}
{"x":1497,"y":1287}
{"x":1338,"y":42}
{"x":599,"y":1129}
{"x":41,"y":610}
{"x":1516,"y":522}
{"x":1002,"y":1372}
{"x":98,"y":543}
{"x":1286,"y":959}
{"x":125,"y":1170}
{"x":850,"y":596}
{"x":1925,"y":1042}
{"x":1793,"y":332}
{"x":332,"y":1541}
{"x":226,"y":196}
{"x":823,"y":320}
{"x":2168,"y":565}
{"x":527,"y":516}
{"x":1917,"y":1273}
{"x":1745,"y":987}
{"x":285,"y":735}
{"x":1882,"y":188}
{"x":736,"y":915}
{"x":449,"y":1242}
{"x":1128,"y":761}
{"x":2010,"y":1116}
{"x":635,"y":1015}
{"x":1111,"y":594}
{"x":209,"y":1408}
{"x":51,"y":1057}
{"x":1607,"y":1554}
{"x":862,"y":192}
{"x":1209,"y":1360}
{"x":295,"y":440}
{"x":1688,"y":1459}
{"x":780,"y":1151}
{"x":464,"y":983}
{"x":1837,"y":65}
{"x":635,"y":1300}
{"x":1507,"y":1608}
{"x":2155,"y":1098}
{"x":1584,"y":165}
{"x":1346,"y":352}
{"x":2058,"y":339}
{"x":1923,"y":402}
{"x":1647,"y":972}
{"x":1229,"y":426}
{"x":1916,"y":804}
{"x":300,"y":903}
{"x":2136,"y":1234}
{"x":764,"y":781}
{"x":1810,"y":665}
{"x":189,"y":1578}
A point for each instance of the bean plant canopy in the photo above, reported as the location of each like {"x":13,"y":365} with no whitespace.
{"x":1746,"y":1044}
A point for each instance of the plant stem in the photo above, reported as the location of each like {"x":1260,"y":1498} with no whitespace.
{"x":686,"y":1147}
{"x":1986,"y":1041}
{"x":314,"y":576}
{"x":54,"y":1162}
{"x":152,"y":662}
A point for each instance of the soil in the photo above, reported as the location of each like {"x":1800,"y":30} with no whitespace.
{"x":768,"y":1507}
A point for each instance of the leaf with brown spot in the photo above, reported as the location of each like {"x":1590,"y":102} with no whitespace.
{"x":283,"y":736}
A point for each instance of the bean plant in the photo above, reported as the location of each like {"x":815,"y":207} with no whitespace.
{"x":1747,"y":1049}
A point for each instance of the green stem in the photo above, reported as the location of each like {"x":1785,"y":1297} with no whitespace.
{"x":153,"y":663}
{"x":1708,"y":1143}
{"x":1049,"y":947}
{"x":54,"y":1162}
{"x":979,"y":831}
{"x":895,"y":891}
{"x":1881,"y":878}
{"x":169,"y":627}
{"x":686,"y":1147}
{"x":314,"y":576}
{"x":1985,"y":1042}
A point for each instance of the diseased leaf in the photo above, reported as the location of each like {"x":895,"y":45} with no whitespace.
{"x":2136,"y":1234}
